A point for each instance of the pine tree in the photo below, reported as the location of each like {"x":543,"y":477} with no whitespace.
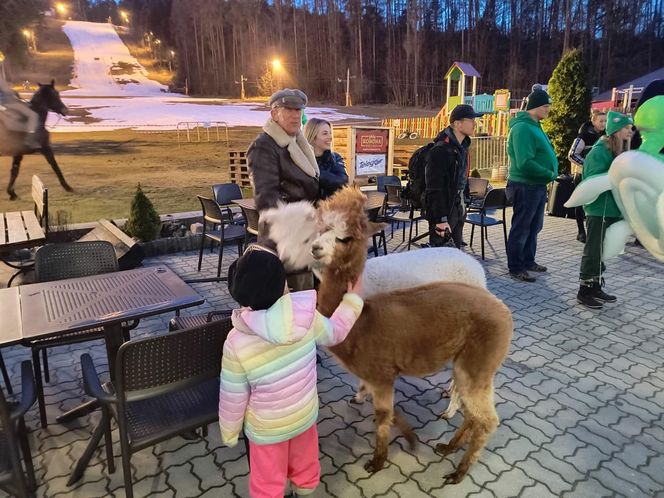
{"x":570,"y":106}
{"x":143,"y":222}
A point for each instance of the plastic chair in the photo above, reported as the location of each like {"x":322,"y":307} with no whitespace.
{"x":13,"y":435}
{"x":165,"y":386}
{"x":495,"y":199}
{"x":477,"y":190}
{"x":59,"y":262}
{"x":251,"y":217}
{"x":225,"y":194}
{"x":213,"y":216}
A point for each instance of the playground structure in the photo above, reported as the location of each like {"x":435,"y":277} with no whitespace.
{"x":496,"y":107}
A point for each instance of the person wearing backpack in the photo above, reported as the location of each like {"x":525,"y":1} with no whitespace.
{"x":446,"y":174}
{"x":533,"y":165}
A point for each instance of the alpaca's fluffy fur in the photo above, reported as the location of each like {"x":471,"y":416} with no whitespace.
{"x":413,"y":331}
{"x":293,"y":227}
{"x":412,"y":268}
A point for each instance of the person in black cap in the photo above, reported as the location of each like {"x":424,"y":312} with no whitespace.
{"x":268,"y":372}
{"x":446,"y":174}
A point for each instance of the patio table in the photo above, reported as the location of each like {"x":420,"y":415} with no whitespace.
{"x":10,"y":311}
{"x":105,"y":300}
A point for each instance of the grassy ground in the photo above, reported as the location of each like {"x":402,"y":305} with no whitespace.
{"x":104,"y":168}
{"x":54,"y":59}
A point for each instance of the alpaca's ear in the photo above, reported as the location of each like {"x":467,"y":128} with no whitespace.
{"x":373,"y":228}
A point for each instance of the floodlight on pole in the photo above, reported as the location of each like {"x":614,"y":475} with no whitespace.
{"x":277,"y":66}
{"x":61,"y":9}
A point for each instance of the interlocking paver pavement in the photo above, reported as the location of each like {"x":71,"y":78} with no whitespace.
{"x":580,"y":397}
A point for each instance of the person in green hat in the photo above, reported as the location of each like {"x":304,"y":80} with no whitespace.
{"x":533,"y":165}
{"x":603,"y":211}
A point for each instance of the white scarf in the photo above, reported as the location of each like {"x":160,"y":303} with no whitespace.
{"x":299,"y":149}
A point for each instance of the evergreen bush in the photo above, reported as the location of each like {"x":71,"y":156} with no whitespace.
{"x":570,"y":106}
{"x":143,"y":222}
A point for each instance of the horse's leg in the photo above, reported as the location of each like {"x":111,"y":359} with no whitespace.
{"x":383,"y":401}
{"x":16,"y":166}
{"x":47,"y":151}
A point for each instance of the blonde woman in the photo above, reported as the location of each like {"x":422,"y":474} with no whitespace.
{"x":589,"y":133}
{"x":333,"y":176}
{"x":602,"y":212}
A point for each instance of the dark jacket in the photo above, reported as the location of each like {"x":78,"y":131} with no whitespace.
{"x":442,"y":176}
{"x":332,"y":173}
{"x":275,"y":176}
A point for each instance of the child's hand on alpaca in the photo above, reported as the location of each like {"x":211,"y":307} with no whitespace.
{"x":357,"y":287}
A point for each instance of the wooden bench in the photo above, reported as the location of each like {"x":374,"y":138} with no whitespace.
{"x":24,"y":230}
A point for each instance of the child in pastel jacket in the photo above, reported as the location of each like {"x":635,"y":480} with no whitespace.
{"x":268,"y":372}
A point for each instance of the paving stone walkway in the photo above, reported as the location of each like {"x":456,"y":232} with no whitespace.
{"x":580,"y":397}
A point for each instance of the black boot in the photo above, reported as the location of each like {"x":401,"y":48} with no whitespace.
{"x":598,"y":293}
{"x":586,"y":296}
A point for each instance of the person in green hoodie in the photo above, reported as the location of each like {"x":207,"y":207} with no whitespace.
{"x":533,"y":164}
{"x":602,"y":212}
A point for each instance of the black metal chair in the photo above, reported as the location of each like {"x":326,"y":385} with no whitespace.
{"x":14,"y":439}
{"x":495,"y":200}
{"x":5,"y":375}
{"x":383,"y":180}
{"x":477,"y":190}
{"x":165,"y":386}
{"x":374,"y":208}
{"x":213,"y":216}
{"x":225,"y":194}
{"x":62,"y":261}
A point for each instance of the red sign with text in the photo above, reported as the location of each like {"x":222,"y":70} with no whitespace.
{"x":371,"y":142}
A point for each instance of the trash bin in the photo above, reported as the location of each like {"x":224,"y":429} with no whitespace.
{"x":560,"y":192}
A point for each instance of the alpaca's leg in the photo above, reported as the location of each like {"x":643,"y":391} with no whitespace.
{"x":455,"y":401}
{"x":383,"y":401}
{"x":362,"y":393}
{"x":406,"y":430}
{"x":479,"y":408}
{"x":459,"y":438}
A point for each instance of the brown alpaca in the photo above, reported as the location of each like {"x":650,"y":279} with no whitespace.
{"x":414,"y":331}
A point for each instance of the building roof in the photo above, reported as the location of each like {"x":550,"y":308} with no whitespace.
{"x":640,"y":82}
{"x":466,"y":68}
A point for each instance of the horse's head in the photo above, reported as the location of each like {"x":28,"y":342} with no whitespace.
{"x":49,"y":98}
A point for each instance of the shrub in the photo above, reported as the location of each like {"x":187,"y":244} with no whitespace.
{"x":570,"y":106}
{"x":143,"y":222}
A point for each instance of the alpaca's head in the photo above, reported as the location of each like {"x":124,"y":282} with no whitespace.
{"x":344,"y":229}
{"x":293,"y":228}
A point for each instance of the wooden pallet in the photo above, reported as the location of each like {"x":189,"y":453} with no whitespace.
{"x":238,"y":168}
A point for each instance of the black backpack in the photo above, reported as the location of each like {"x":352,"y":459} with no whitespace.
{"x":416,"y":186}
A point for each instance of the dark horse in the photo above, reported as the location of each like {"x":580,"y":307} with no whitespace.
{"x":45,"y":99}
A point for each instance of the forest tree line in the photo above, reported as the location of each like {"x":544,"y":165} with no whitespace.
{"x":396,"y":51}
{"x":399,"y":50}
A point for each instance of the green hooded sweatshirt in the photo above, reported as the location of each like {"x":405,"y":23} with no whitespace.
{"x":598,"y":161}
{"x":532,"y":158}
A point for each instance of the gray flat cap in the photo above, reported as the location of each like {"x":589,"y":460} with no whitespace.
{"x":288,"y":97}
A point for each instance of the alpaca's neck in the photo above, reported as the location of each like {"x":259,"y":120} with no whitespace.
{"x":331,"y":291}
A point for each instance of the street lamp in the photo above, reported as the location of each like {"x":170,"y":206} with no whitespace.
{"x":61,"y":9}
{"x":125,"y":16}
{"x":2,"y":65}
{"x":170,"y":60}
{"x":30,"y":37}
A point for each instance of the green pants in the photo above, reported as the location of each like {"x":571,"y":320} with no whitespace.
{"x":591,"y":262}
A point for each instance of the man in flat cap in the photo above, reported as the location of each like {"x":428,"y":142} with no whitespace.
{"x":282,"y":163}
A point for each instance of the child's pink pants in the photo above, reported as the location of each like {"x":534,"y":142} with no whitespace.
{"x":271,"y":465}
